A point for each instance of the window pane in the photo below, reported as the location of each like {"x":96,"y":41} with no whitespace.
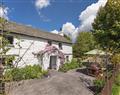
{"x":60,"y":45}
{"x":50,"y":42}
{"x":9,"y":38}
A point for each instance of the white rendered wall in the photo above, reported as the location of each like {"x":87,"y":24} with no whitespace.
{"x":35,"y":45}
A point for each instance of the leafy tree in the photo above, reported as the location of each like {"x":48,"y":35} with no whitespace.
{"x":67,"y":37}
{"x":4,"y":42}
{"x":5,"y":60}
{"x":106,"y":26}
{"x":85,"y":42}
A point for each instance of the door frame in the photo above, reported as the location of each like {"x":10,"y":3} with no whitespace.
{"x":53,"y":65}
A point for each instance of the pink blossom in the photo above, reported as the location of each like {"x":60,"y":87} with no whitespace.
{"x":52,"y":49}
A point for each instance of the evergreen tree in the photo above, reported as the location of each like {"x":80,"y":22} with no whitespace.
{"x":106,"y":26}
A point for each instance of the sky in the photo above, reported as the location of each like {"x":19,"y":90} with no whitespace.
{"x":69,"y":16}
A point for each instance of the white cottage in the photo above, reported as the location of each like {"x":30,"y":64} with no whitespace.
{"x":32,"y":46}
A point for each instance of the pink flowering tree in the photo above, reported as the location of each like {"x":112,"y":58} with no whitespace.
{"x":49,"y":49}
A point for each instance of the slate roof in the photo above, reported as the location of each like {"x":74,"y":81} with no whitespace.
{"x":29,"y":31}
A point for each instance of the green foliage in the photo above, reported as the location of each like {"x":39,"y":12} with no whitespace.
{"x":117,"y":81}
{"x":99,"y":84}
{"x":116,"y":59}
{"x":116,"y":86}
{"x":116,"y":90}
{"x":106,"y":27}
{"x":70,"y":65}
{"x":4,"y":42}
{"x":67,"y":37}
{"x":84,"y":43}
{"x":28,"y":72}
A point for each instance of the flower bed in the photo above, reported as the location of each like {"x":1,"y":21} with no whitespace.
{"x":28,"y":72}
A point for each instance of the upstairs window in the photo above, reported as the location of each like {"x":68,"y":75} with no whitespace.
{"x":10,"y":39}
{"x":2,"y":61}
{"x":60,"y":46}
{"x":49,"y":42}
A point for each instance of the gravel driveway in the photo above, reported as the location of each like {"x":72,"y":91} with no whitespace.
{"x":57,"y":84}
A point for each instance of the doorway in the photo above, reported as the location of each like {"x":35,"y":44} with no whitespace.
{"x":53,"y":61}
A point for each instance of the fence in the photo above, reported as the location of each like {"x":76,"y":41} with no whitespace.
{"x":107,"y":90}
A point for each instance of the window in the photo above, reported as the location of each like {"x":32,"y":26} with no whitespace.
{"x":7,"y":37}
{"x":10,"y":39}
{"x":60,"y":45}
{"x":2,"y":61}
{"x":67,"y":58}
{"x":50,"y":42}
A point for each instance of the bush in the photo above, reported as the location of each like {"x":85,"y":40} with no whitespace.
{"x":116,"y":86}
{"x":117,"y":81}
{"x":116,"y":59}
{"x":99,"y":84}
{"x":70,"y":65}
{"x":116,"y":90}
{"x":28,"y":72}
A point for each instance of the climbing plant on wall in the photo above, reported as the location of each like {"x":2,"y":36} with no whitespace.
{"x":49,"y":49}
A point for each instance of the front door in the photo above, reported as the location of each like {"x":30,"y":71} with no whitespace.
{"x":53,"y":60}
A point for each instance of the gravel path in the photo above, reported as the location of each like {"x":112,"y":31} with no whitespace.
{"x":57,"y":84}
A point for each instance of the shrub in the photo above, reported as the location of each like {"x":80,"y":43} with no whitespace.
{"x":28,"y":72}
{"x":99,"y":84}
{"x":70,"y":65}
{"x":117,"y":81}
{"x":116,"y":86}
{"x":116,"y":59}
{"x":116,"y":90}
